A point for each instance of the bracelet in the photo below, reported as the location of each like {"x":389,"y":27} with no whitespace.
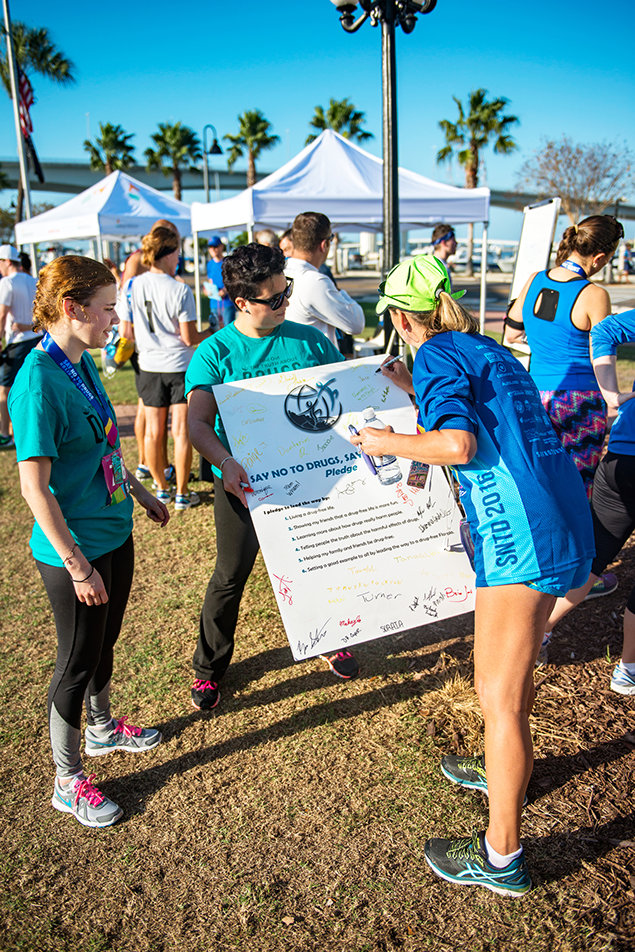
{"x":222,"y":462}
{"x":70,"y":554}
{"x":77,"y":580}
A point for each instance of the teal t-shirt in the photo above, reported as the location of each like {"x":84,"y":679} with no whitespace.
{"x":230,"y":355}
{"x":52,"y":418}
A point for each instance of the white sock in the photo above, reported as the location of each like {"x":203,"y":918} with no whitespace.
{"x":103,"y":728}
{"x":497,"y":859}
{"x":629,"y":667}
{"x":546,"y":638}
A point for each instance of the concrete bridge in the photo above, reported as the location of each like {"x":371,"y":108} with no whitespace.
{"x":70,"y":178}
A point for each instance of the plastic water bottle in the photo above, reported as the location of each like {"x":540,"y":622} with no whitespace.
{"x":388,"y":469}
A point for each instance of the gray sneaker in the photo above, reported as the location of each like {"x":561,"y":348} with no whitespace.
{"x":123,"y":736}
{"x":87,"y":804}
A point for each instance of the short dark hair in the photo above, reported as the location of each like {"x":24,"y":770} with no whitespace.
{"x":309,"y":230}
{"x":247,"y":268}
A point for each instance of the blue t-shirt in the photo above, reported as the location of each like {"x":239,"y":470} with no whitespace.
{"x":560,"y":358}
{"x":230,"y":355}
{"x":52,"y":418}
{"x":523,"y":497}
{"x":606,"y":337}
{"x":224,"y":305}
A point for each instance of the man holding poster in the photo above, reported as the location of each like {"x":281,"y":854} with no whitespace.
{"x":258,"y":343}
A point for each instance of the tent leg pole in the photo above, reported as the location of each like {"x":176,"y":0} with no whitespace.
{"x":483,"y":278}
{"x":197,"y":281}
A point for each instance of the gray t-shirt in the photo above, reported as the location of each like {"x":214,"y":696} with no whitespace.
{"x":17,"y":292}
{"x":157,"y":305}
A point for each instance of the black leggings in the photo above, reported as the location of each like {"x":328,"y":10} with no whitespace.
{"x":613,"y":510}
{"x":86,"y":636}
{"x":236,"y":551}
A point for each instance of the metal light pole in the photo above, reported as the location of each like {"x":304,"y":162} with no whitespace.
{"x":215,"y":149}
{"x":389,"y":13}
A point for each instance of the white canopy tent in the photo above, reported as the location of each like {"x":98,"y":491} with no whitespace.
{"x":116,"y":207}
{"x":333,"y":176}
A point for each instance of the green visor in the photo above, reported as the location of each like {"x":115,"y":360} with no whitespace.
{"x":415,"y":284}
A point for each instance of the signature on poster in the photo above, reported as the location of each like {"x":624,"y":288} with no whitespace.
{"x":284,"y":588}
{"x":350,"y":488}
{"x":314,"y":638}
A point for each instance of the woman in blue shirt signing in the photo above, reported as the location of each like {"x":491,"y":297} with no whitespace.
{"x":480,"y":412}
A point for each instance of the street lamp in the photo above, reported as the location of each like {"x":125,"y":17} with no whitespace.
{"x":389,"y":13}
{"x":215,"y":149}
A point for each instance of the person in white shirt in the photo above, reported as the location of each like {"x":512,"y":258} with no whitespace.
{"x":315,"y":299}
{"x":17,"y":294}
{"x":159,"y":314}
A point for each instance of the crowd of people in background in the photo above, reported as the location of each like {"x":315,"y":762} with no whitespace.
{"x":535,"y":439}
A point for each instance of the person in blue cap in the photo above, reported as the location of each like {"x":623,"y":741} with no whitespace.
{"x":222,"y":310}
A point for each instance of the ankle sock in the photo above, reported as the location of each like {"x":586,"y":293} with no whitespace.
{"x":629,"y":667}
{"x":498,"y":859}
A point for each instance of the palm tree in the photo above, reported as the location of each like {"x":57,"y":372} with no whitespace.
{"x":35,"y":52}
{"x":470,"y":134}
{"x":342,"y":117}
{"x":254,"y":136}
{"x":111,"y":150}
{"x":177,"y":147}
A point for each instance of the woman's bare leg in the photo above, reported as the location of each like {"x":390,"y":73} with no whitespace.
{"x":182,"y":447}
{"x":140,"y":432}
{"x":155,"y":423}
{"x":509,"y":626}
{"x":573,"y":597}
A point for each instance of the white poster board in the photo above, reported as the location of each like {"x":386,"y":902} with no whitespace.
{"x":536,"y":239}
{"x":349,"y":559}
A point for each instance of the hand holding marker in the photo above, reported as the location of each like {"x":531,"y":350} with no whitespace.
{"x":386,"y":363}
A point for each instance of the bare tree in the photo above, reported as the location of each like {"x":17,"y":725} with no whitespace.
{"x":588,"y":177}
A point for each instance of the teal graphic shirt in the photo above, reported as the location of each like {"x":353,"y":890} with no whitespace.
{"x":230,"y":355}
{"x":51,"y":418}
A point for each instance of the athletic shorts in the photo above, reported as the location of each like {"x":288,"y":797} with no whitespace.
{"x":560,"y":583}
{"x":161,"y":390}
{"x":13,"y":356}
{"x":612,"y":507}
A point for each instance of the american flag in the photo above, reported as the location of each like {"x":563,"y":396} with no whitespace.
{"x":25,"y":101}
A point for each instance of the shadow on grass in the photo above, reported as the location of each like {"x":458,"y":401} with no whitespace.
{"x":558,"y":855}
{"x":554,"y":771}
{"x":148,"y":782}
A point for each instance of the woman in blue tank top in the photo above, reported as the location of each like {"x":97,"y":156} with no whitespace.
{"x":556,"y":310}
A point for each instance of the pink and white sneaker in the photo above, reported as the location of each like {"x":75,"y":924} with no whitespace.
{"x":87,"y":804}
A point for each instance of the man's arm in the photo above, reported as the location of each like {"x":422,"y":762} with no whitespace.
{"x":336,"y":307}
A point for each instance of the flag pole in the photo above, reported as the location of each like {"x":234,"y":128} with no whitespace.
{"x":13,"y":77}
{"x":16,"y":115}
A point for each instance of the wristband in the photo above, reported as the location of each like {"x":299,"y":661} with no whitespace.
{"x":223,"y":461}
{"x":92,"y":569}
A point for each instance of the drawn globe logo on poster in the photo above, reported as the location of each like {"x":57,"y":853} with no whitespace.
{"x":313,"y":408}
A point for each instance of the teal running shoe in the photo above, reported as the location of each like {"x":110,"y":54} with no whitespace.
{"x":464,"y":861}
{"x":468,"y":772}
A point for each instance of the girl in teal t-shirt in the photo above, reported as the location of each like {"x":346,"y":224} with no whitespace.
{"x":75,"y":482}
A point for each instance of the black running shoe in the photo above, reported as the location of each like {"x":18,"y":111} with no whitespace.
{"x":343,"y":664}
{"x":468,"y":772}
{"x":205,"y":695}
{"x":464,"y":861}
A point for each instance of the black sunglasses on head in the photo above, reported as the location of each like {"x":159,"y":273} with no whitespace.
{"x":275,"y":302}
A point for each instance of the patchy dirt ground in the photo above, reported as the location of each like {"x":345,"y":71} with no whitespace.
{"x":294,"y":816}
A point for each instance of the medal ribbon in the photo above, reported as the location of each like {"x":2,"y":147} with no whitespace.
{"x":57,"y":354}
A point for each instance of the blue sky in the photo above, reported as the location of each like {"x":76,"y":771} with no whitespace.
{"x":208,"y":61}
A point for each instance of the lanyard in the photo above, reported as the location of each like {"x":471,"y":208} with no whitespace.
{"x":573,"y":266}
{"x":62,"y":361}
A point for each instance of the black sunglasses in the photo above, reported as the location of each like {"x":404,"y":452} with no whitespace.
{"x":275,"y":302}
